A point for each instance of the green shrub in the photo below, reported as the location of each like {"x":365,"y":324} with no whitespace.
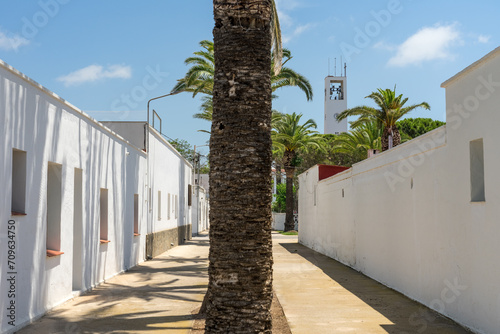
{"x":279,"y":205}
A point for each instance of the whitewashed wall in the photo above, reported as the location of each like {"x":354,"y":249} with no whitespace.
{"x":170,"y":174}
{"x":200,"y":210}
{"x":406,"y":218}
{"x":50,"y":129}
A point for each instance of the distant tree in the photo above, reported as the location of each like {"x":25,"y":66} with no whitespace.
{"x":391,"y":108}
{"x":292,"y":138}
{"x":415,"y":127}
{"x":279,"y":204}
{"x":183,"y":147}
{"x":358,"y":141}
{"x":324,"y":155}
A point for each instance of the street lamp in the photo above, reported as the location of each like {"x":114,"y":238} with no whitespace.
{"x":146,"y":148}
{"x":146,"y":143}
{"x":194,"y":161}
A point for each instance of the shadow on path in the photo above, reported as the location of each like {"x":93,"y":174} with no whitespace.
{"x":157,"y":296}
{"x":405,"y":315}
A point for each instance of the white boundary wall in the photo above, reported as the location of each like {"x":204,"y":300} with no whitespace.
{"x":50,"y":129}
{"x":405,"y":217}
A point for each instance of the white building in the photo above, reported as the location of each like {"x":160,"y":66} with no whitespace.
{"x":423,"y":218}
{"x":335,"y":103}
{"x":81,"y":202}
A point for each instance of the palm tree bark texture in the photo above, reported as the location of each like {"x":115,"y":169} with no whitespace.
{"x":240,"y":260}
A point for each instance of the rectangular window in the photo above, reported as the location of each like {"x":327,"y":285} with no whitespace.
{"x":190,"y":195}
{"x":54,"y":204}
{"x":78,"y":230}
{"x":477,"y":171}
{"x":136,"y":214}
{"x":159,"y":205}
{"x":18,"y":204}
{"x":315,"y":194}
{"x":169,"y":205}
{"x":176,"y":206}
{"x":103,"y":221}
{"x":150,"y":201}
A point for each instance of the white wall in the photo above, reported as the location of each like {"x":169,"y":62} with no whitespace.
{"x":200,"y":210}
{"x":171,"y":174}
{"x":50,"y":129}
{"x":406,"y":218}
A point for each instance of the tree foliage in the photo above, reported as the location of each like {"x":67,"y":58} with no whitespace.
{"x":391,"y":107}
{"x":357,"y":142}
{"x":199,"y":79}
{"x":290,"y":139}
{"x":415,"y":127}
{"x":279,"y":205}
{"x":183,"y":147}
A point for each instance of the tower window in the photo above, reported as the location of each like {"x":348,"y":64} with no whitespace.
{"x":336,"y":90}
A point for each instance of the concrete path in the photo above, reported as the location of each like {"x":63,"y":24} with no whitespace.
{"x":320,"y":295}
{"x":156,"y":296}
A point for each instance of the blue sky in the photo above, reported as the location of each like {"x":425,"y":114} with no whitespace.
{"x":108,"y":57}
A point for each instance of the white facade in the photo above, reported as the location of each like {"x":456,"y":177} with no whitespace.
{"x":423,"y":218}
{"x":79,"y":189}
{"x":335,"y":103}
{"x":200,"y":211}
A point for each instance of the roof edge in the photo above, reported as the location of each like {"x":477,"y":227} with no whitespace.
{"x":50,"y":93}
{"x":472,"y":67}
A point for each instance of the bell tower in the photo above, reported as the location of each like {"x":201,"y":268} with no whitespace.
{"x":335,"y":103}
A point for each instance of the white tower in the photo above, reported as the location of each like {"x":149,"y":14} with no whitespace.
{"x":335,"y":103}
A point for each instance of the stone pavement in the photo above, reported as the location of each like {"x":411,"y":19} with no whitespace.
{"x":156,"y":296}
{"x":318,"y":296}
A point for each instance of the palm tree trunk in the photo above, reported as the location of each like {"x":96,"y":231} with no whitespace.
{"x":290,"y":202}
{"x":240,"y":270}
{"x":278,"y":173}
{"x":396,"y":137}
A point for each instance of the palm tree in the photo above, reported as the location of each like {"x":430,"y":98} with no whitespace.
{"x":200,"y":77}
{"x":291,"y":138}
{"x":357,"y":142}
{"x":390,"y":109}
{"x":277,"y":48}
{"x":239,"y":291}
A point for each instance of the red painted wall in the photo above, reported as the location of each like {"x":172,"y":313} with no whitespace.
{"x":325,"y":171}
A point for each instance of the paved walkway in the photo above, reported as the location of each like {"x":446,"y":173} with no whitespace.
{"x":318,"y":295}
{"x":156,"y":296}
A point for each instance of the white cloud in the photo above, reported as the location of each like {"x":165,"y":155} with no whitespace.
{"x":429,"y":43}
{"x":96,"y":72}
{"x":297,"y":32}
{"x":384,"y":46}
{"x":289,"y":27}
{"x":483,"y":39}
{"x":11,"y":42}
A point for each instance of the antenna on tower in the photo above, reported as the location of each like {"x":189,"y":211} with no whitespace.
{"x":335,"y":66}
{"x":340,"y":65}
{"x":345,"y":69}
{"x":328,"y":66}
